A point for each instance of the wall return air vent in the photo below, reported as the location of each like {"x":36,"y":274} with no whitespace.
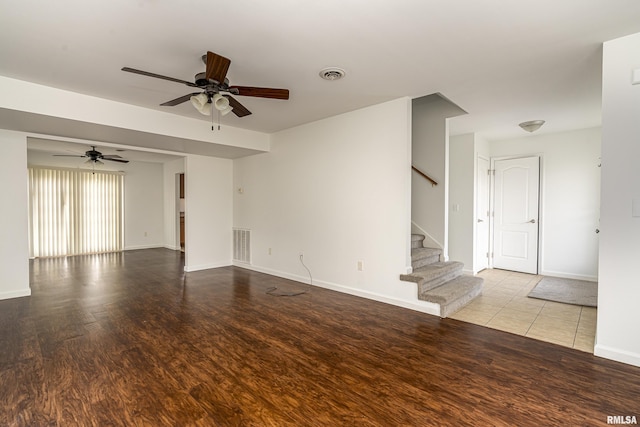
{"x":242,"y":245}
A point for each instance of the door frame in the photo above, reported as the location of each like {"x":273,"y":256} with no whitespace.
{"x":539,"y":252}
{"x":476,"y":249}
{"x":177,"y":209}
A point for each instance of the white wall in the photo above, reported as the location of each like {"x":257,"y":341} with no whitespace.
{"x":208,"y":212}
{"x":570,"y":198}
{"x":143,"y":205}
{"x":619,"y":287}
{"x":143,"y":196}
{"x":338,"y":191}
{"x":462,"y":159}
{"x":430,"y":145}
{"x":14,"y":245}
{"x":171,"y":224}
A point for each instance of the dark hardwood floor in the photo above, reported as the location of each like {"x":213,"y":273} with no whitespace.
{"x":129,"y":339}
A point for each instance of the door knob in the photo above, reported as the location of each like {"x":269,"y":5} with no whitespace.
{"x":480,"y":220}
{"x":533,"y":221}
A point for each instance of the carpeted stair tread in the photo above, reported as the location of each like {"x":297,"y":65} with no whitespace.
{"x":432,"y":270}
{"x":416,"y":240}
{"x":421,"y":257}
{"x":454,"y":294}
{"x":419,"y":253}
{"x":434,"y":275}
{"x":440,"y":282}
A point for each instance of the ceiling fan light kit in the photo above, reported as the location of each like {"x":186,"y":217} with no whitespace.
{"x":201,"y":103}
{"x":215,"y":88}
{"x":222,"y":104}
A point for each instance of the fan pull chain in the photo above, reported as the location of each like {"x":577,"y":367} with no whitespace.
{"x":212,"y":122}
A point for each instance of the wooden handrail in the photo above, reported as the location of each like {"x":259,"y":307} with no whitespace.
{"x":425,"y":176}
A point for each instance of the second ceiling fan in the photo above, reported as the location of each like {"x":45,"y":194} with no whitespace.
{"x":215,"y":87}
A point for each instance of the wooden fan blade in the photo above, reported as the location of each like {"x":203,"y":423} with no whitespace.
{"x":67,"y":155}
{"x":217,"y":67}
{"x":158,"y":76}
{"x":262,"y":92}
{"x":180,"y":100}
{"x":238,"y":109}
{"x":111,"y":156}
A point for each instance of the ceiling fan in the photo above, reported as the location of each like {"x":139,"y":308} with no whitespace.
{"x":94,"y":156}
{"x":216,"y":89}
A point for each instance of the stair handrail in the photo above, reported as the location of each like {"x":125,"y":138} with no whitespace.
{"x":425,"y":176}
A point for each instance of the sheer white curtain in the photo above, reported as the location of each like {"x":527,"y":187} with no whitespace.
{"x":74,"y":212}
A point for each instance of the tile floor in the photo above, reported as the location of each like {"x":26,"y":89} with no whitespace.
{"x":504,"y":305}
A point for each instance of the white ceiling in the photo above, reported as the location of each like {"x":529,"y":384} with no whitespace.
{"x":503,"y":62}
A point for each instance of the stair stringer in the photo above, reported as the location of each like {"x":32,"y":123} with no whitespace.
{"x":422,"y":305}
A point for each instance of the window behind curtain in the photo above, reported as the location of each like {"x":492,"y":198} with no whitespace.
{"x":74,"y":212}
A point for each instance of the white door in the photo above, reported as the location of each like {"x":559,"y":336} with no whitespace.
{"x":515,"y":237}
{"x":482,"y":215}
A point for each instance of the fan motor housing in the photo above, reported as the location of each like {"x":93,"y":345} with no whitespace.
{"x":201,"y":80}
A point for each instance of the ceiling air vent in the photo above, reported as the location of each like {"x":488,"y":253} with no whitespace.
{"x":332,"y":73}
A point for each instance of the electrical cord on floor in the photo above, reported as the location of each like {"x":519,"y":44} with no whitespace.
{"x":274,"y":291}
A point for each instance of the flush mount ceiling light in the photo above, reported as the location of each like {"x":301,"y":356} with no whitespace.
{"x":332,"y":73}
{"x":532,"y":125}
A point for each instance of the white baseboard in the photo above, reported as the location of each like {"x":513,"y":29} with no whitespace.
{"x":421,"y":306}
{"x":617,"y":355}
{"x":136,"y":247}
{"x":191,"y":268}
{"x":15,"y":294}
{"x":173,"y":248}
{"x":569,"y":275}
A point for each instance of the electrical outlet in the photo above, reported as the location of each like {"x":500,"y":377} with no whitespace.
{"x":301,"y":254}
{"x":145,"y":234}
{"x":360,"y":266}
{"x":269,"y":251}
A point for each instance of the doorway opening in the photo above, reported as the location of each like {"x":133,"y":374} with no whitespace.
{"x":507,"y":258}
{"x":181,"y":210}
{"x":515,"y":219}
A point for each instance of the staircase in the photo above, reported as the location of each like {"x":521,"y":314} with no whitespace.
{"x":440,"y":282}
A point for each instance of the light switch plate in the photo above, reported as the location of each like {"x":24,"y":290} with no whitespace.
{"x":635,"y":77}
